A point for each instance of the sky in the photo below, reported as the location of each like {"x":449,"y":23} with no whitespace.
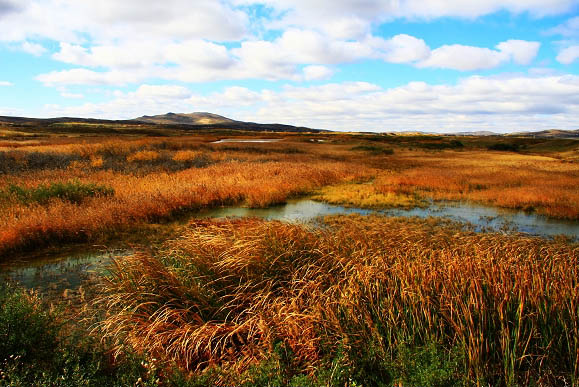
{"x":347,"y":65}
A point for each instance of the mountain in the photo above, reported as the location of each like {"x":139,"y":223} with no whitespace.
{"x":164,"y":124}
{"x":479,"y":133}
{"x":200,"y":118}
{"x":550,"y":133}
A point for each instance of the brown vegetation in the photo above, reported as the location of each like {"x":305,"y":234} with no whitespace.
{"x":226,"y":292}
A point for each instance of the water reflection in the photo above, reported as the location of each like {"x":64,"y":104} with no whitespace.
{"x":68,"y":270}
{"x":57,"y":272}
{"x":481,"y":217}
{"x":263,"y":140}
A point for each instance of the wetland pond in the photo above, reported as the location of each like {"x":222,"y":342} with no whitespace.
{"x":257,"y":140}
{"x":69,"y":268}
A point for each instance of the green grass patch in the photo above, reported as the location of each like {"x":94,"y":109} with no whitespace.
{"x":37,"y":349}
{"x":73,"y":191}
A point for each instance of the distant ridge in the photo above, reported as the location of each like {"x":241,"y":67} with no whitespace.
{"x":478,"y":133}
{"x":178,"y":123}
{"x":550,"y":133}
{"x":198,"y":118}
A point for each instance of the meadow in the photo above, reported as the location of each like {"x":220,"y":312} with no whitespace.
{"x":352,"y":300}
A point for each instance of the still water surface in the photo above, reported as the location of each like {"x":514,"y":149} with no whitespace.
{"x":255,"y":140}
{"x":69,"y":269}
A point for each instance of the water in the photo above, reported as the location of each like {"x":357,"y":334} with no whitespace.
{"x":483,"y":218}
{"x":244,"y":141}
{"x":68,"y":270}
{"x":56,"y":272}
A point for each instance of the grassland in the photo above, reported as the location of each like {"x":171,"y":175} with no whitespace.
{"x":496,"y":309}
{"x":359,"y":301}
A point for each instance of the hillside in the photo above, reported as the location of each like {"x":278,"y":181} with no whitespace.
{"x":550,"y":133}
{"x":199,"y":118}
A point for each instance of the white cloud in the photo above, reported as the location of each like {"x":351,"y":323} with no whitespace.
{"x":521,"y":51}
{"x":403,"y":49}
{"x":500,"y":104}
{"x":296,"y":55}
{"x":33,"y":48}
{"x":569,"y":29}
{"x":6,"y":83}
{"x":472,"y":9}
{"x":350,"y":19}
{"x":162,"y":92}
{"x":133,"y":54}
{"x":232,"y":97}
{"x":568,"y":55}
{"x":146,"y":99}
{"x":7,"y":6}
{"x":88,"y":77}
{"x":317,"y":73}
{"x":67,"y":94}
{"x":469,"y":58}
{"x":107,"y":21}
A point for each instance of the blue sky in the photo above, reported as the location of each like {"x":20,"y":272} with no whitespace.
{"x":351,"y":65}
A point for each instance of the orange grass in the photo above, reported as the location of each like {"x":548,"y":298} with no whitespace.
{"x":226,"y":291}
{"x":532,"y":183}
{"x":155,"y":177}
{"x":159,"y":195}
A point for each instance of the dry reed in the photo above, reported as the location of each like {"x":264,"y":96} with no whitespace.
{"x":226,"y":291}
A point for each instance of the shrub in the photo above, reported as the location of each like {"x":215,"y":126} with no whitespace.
{"x":503,"y":146}
{"x":36,"y":350}
{"x":375,"y":150}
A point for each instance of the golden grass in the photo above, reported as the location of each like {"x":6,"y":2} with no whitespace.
{"x":541,"y":184}
{"x":226,"y":291}
{"x":160,"y":195}
{"x":364,"y":195}
{"x":144,"y":155}
{"x":175,"y":174}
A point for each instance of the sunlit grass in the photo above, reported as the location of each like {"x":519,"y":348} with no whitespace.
{"x":365,"y":195}
{"x":226,"y":292}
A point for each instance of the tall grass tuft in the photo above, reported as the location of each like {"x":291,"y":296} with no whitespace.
{"x":492,"y":308}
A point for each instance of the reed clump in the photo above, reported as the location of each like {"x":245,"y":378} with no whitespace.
{"x":358,"y":292}
{"x":366,"y":195}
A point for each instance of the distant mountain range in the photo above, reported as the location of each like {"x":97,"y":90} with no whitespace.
{"x":209,"y":121}
{"x":147,"y":124}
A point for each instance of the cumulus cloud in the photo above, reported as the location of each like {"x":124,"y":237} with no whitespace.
{"x":353,"y":18}
{"x":7,"y":6}
{"x":469,"y":58}
{"x":475,"y":103}
{"x":520,"y":51}
{"x":569,"y":29}
{"x":81,"y":76}
{"x":65,"y":93}
{"x":473,"y":9}
{"x":568,"y":55}
{"x":146,"y":99}
{"x":107,"y":21}
{"x":296,"y":55}
{"x":317,"y":73}
{"x":6,"y":83}
{"x":33,"y":48}
{"x":402,"y":49}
